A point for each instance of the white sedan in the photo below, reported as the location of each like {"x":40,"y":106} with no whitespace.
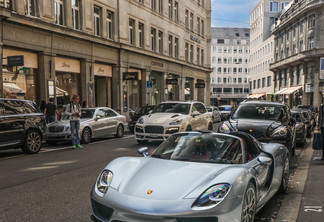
{"x":171,"y":117}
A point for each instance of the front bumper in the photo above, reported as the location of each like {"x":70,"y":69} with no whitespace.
{"x":114,"y":206}
{"x":155,"y":132}
{"x":61,"y":136}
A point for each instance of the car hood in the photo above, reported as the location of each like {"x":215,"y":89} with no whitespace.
{"x":161,"y":118}
{"x":257,"y":128}
{"x":167,"y":179}
{"x":66,"y":122}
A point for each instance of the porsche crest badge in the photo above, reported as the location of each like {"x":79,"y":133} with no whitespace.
{"x":149,"y":192}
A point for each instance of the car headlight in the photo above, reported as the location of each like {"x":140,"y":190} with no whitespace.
{"x":281,"y":131}
{"x":140,"y":120}
{"x":213,"y":195}
{"x":104,"y":180}
{"x":224,"y":128}
{"x":175,"y":122}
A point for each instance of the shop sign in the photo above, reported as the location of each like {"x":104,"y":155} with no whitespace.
{"x":102,"y":70}
{"x":200,"y":85}
{"x":130,"y":75}
{"x":322,"y":68}
{"x":157,"y":64}
{"x":15,"y":60}
{"x":194,"y":38}
{"x":172,"y":81}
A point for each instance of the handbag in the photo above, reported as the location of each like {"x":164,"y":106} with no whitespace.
{"x":317,"y":141}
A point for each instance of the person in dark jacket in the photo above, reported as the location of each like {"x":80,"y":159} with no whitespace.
{"x":50,"y":111}
{"x":321,"y":125}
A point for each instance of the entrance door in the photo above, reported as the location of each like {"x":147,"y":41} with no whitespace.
{"x":103,"y":91}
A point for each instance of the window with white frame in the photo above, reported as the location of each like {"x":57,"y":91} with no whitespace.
{"x":75,"y":14}
{"x":58,"y":9}
{"x":109,"y":23}
{"x":310,"y":43}
{"x":160,"y":42}
{"x":141,"y":35}
{"x":31,"y":7}
{"x":131,"y":31}
{"x":96,"y":14}
{"x":274,"y":6}
{"x":153,"y":39}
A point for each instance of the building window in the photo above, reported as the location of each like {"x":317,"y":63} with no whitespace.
{"x":153,"y":5}
{"x":310,"y":43}
{"x":311,"y":21}
{"x":203,"y":58}
{"x":160,"y":5}
{"x":269,"y":81}
{"x":219,"y":70}
{"x":176,"y":11}
{"x":191,"y":53}
{"x":5,"y":4}
{"x":274,"y":6}
{"x":58,"y":8}
{"x":254,"y":84}
{"x":202,"y":28}
{"x":97,"y":21}
{"x":302,"y":25}
{"x":170,"y":45}
{"x":31,"y":6}
{"x":160,"y":42}
{"x":187,"y":19}
{"x":198,"y":56}
{"x":131,"y":31}
{"x":75,"y":14}
{"x":141,"y":34}
{"x":198,"y":25}
{"x":109,"y":22}
{"x":170,"y":9}
{"x":191,"y":21}
{"x":153,"y":39}
{"x":263,"y":82}
{"x":301,"y":45}
{"x":176,"y":47}
{"x":259,"y":83}
{"x":187,"y":52}
{"x":141,"y":1}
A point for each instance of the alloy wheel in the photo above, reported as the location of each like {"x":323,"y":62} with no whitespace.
{"x":248,"y":209}
{"x":86,"y":136}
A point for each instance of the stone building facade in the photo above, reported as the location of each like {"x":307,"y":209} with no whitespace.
{"x":299,"y":53}
{"x":117,"y":53}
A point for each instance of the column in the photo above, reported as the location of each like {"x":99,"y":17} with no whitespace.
{"x":87,"y":83}
{"x":317,"y":99}
{"x":46,"y":72}
{"x":116,"y":88}
{"x":163,"y":96}
{"x":145,"y":95}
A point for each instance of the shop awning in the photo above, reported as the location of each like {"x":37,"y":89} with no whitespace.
{"x":12,"y":88}
{"x":61,"y":92}
{"x":255,"y":96}
{"x":282,"y":91}
{"x":290,"y":90}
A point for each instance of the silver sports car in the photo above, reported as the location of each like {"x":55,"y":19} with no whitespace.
{"x":95,"y":122}
{"x":192,"y":176}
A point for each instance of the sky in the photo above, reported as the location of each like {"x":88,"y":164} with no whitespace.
{"x":232,"y":13}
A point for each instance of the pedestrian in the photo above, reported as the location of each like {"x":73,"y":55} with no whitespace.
{"x":321,"y":125}
{"x":73,"y":110}
{"x":50,"y":110}
{"x":42,"y":106}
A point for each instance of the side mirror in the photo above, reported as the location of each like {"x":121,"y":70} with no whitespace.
{"x":195,"y":113}
{"x":98,"y":117}
{"x":150,"y":111}
{"x":143,"y":151}
{"x":265,"y":160}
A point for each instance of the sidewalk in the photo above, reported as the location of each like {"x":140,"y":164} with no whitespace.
{"x":304,"y":200}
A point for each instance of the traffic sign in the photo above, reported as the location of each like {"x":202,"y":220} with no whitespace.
{"x":149,"y":86}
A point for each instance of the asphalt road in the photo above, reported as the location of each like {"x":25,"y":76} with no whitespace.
{"x":55,"y":184}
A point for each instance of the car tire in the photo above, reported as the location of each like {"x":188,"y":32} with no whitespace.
{"x":210,"y":126}
{"x":249,"y":204}
{"x":33,"y":142}
{"x":285,"y":176}
{"x":120,"y":131}
{"x":141,"y":141}
{"x":189,"y":128}
{"x":86,"y":135}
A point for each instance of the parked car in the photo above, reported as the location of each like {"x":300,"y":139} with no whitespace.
{"x":192,"y":176}
{"x":266,"y":121}
{"x":171,"y":117}
{"x":301,"y":126}
{"x":95,"y":122}
{"x":313,"y":110}
{"x":144,"y":110}
{"x":21,"y":125}
{"x":215,"y":113}
{"x":309,"y":121}
{"x":225,"y":111}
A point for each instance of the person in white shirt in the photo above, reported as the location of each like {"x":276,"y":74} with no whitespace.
{"x":73,"y":110}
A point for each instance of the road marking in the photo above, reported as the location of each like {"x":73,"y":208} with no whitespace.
{"x":317,"y":209}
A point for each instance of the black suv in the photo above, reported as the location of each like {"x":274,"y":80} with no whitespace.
{"x":269,"y":122}
{"x":21,"y":125}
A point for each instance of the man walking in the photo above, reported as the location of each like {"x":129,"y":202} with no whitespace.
{"x":73,"y":110}
{"x":50,"y":110}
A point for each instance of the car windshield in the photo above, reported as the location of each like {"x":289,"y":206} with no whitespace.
{"x":144,"y":110}
{"x":194,"y":147}
{"x":259,"y":111}
{"x":209,"y":109}
{"x":87,"y":113}
{"x":182,"y":108}
{"x":297,"y":116}
{"x":224,"y":108}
